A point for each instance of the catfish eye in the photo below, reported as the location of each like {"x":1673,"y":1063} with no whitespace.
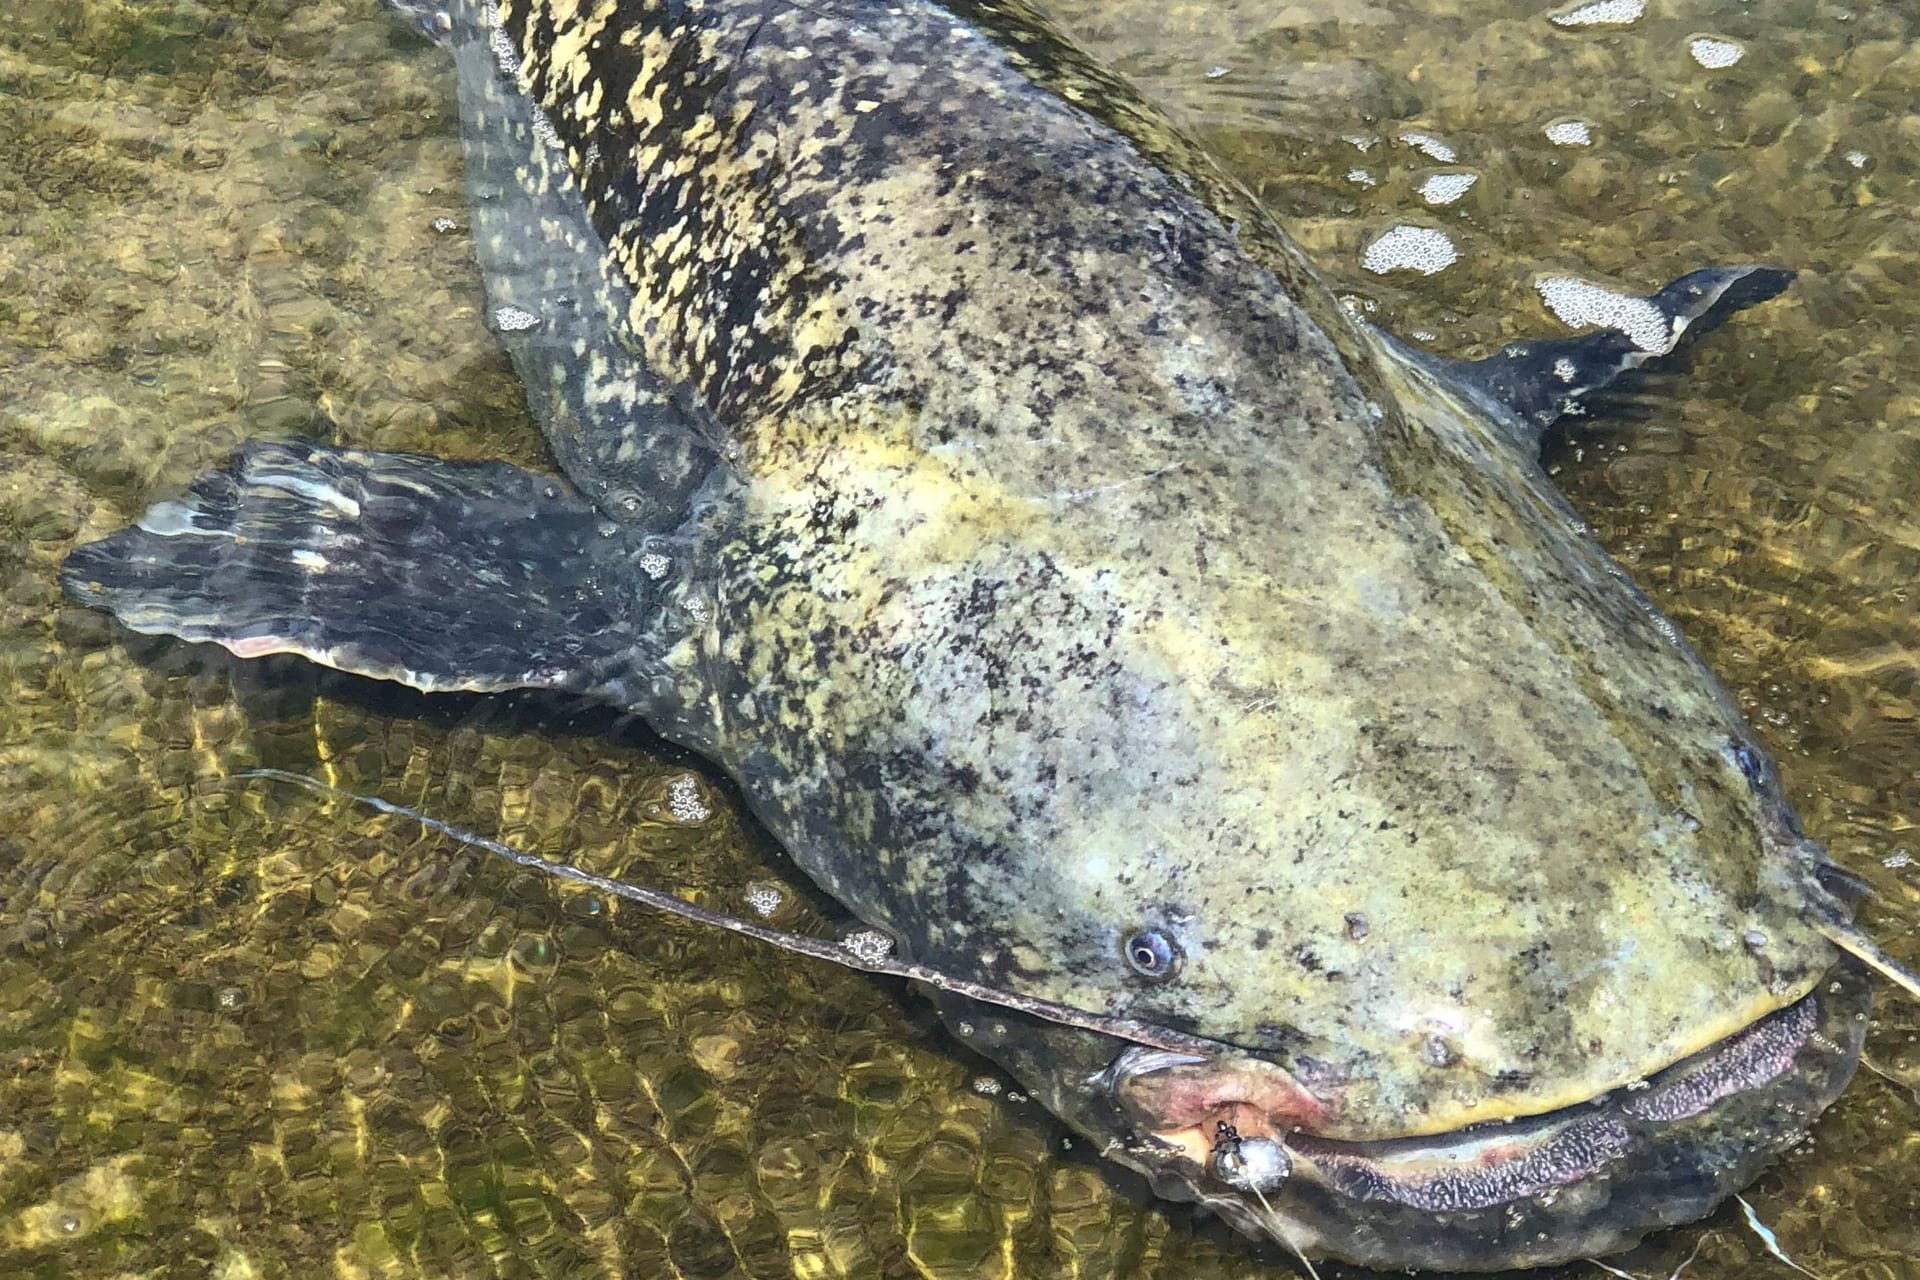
{"x":1152,"y":954}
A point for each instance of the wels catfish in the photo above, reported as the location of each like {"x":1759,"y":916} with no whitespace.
{"x":976,"y":473}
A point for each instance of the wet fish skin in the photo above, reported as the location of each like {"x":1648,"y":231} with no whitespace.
{"x":987,"y":393}
{"x":1054,"y":561}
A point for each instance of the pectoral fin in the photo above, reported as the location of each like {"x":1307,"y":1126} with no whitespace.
{"x":438,"y":575}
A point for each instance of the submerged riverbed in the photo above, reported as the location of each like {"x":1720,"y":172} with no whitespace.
{"x":245,"y":1032}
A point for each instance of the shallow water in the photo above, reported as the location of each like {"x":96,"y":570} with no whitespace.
{"x":247,"y":1033}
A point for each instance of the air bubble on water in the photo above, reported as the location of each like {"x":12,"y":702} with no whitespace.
{"x":543,"y":129}
{"x":1570,"y":133}
{"x":1713,"y":53}
{"x":655,"y":565}
{"x":1430,"y":146}
{"x":504,"y":53}
{"x":1407,"y":248}
{"x":870,"y":946}
{"x":445,"y":225}
{"x":1445,"y":188}
{"x":69,"y":1224}
{"x":986,"y":1086}
{"x":765,"y":899}
{"x":1581,"y":305}
{"x":534,"y":952}
{"x":684,"y":802}
{"x":1599,"y":13}
{"x":513,"y":319}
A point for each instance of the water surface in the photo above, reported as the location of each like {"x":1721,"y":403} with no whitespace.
{"x":244,"y":1032}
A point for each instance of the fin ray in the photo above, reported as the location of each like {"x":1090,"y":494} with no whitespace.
{"x":439,"y":575}
{"x":1531,"y":385}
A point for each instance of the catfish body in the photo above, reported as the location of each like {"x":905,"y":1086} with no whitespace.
{"x":1081,"y":596}
{"x":1069,"y":548}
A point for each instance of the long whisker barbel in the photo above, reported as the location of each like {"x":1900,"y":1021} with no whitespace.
{"x":1128,"y":1029}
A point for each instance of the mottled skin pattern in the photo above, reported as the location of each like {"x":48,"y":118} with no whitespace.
{"x":1019,"y":519}
{"x":1077,"y":586}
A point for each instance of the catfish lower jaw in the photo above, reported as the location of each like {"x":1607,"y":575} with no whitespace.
{"x":1582,"y":1181}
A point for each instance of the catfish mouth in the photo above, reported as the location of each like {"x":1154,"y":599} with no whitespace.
{"x":1582,"y":1180}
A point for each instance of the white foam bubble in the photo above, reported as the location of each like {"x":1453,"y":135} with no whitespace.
{"x":869,"y":945}
{"x":1858,"y":159}
{"x":504,"y":54}
{"x":543,"y":129}
{"x":513,"y":319}
{"x":1405,"y":248}
{"x":684,"y":802}
{"x":1582,"y":305}
{"x":1431,"y":146}
{"x":765,"y":899}
{"x":1361,"y":178}
{"x":1599,"y":13}
{"x":1445,"y":188}
{"x":1713,"y":53}
{"x":1570,"y":133}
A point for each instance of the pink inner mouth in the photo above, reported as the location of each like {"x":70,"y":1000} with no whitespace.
{"x":1182,"y":1102}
